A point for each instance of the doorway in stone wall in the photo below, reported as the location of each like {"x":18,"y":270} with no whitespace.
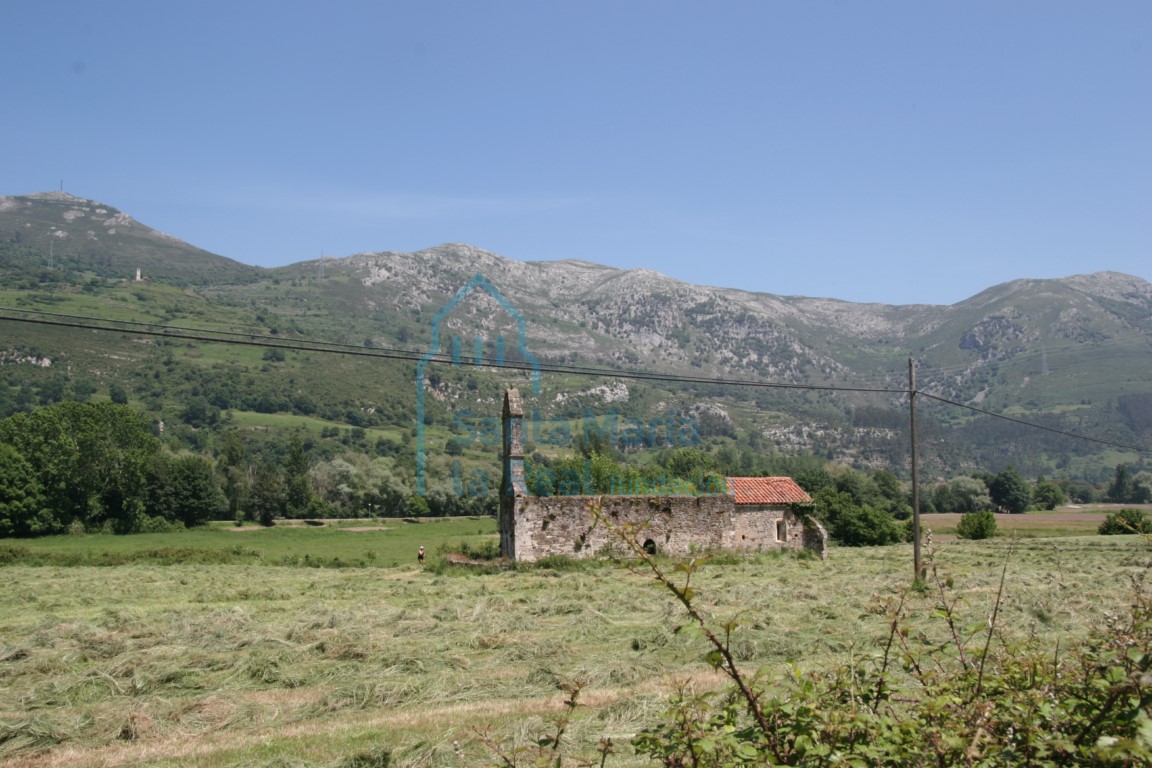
{"x":650,"y":546}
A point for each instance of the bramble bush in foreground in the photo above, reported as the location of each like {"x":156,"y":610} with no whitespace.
{"x":974,"y":698}
{"x":971,"y":696}
{"x":965,"y":694}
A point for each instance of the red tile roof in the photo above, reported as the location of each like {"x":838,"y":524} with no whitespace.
{"x":767,"y":490}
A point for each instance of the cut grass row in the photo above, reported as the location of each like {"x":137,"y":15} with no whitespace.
{"x":248,"y":664}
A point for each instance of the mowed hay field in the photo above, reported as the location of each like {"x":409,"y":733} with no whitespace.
{"x":1072,"y":520}
{"x":272,"y":665}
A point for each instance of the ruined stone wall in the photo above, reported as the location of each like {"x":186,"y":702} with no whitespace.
{"x":753,"y":528}
{"x":535,"y":526}
{"x":532,"y":527}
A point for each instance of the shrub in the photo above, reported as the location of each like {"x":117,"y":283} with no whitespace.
{"x":865,"y":527}
{"x":475,"y":550}
{"x":569,"y":564}
{"x":13,"y":554}
{"x":977,"y":525}
{"x":1125,"y":521}
{"x":159,"y":525}
{"x":852,"y":524}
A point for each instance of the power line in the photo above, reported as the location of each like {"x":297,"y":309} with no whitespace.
{"x":1053,"y":356}
{"x":391,"y":353}
{"x":87,"y":323}
{"x":167,"y":330}
{"x":1034,"y":425}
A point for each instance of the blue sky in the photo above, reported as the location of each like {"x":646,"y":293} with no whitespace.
{"x":898,"y":152}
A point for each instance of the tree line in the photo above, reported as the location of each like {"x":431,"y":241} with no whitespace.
{"x":97,"y":466}
{"x":101,"y":466}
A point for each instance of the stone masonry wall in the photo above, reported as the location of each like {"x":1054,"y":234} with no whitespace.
{"x":532,"y":527}
{"x":675,"y":525}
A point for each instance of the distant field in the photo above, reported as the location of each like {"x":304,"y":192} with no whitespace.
{"x":1073,"y":520}
{"x":256,"y":664}
{"x":379,"y":542}
{"x":287,"y":421}
{"x":388,"y":542}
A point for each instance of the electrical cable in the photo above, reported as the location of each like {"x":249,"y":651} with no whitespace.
{"x":311,"y":345}
{"x":88,"y":323}
{"x":1034,"y":425}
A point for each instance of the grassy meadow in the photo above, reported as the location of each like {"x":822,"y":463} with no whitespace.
{"x":265,"y":662}
{"x":346,"y":543}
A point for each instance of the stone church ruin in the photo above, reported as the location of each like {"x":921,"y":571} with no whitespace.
{"x":751,"y":514}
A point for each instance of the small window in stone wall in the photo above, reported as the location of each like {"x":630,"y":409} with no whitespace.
{"x":781,"y":530}
{"x":650,"y":546}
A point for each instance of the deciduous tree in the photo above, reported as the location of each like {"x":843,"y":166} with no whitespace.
{"x":22,"y":508}
{"x":1048,"y":495}
{"x":1009,"y":492}
{"x":852,"y":524}
{"x":184,"y":489}
{"x":1120,"y":490}
{"x":266,"y":495}
{"x":297,"y":488}
{"x":92,"y":461}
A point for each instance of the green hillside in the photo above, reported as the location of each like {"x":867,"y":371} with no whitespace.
{"x":1070,"y":354}
{"x":58,"y":230}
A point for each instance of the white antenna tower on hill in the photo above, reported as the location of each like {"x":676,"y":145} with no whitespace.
{"x":320,"y":266}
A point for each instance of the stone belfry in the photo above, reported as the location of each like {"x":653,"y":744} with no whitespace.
{"x":512,"y":482}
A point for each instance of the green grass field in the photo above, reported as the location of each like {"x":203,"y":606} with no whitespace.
{"x":381,"y":542}
{"x":258,"y":664}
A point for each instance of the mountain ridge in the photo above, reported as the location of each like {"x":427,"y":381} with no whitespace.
{"x":1072,"y":351}
{"x":1110,"y":283}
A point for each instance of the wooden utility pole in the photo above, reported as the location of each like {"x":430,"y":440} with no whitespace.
{"x":918,"y":570}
